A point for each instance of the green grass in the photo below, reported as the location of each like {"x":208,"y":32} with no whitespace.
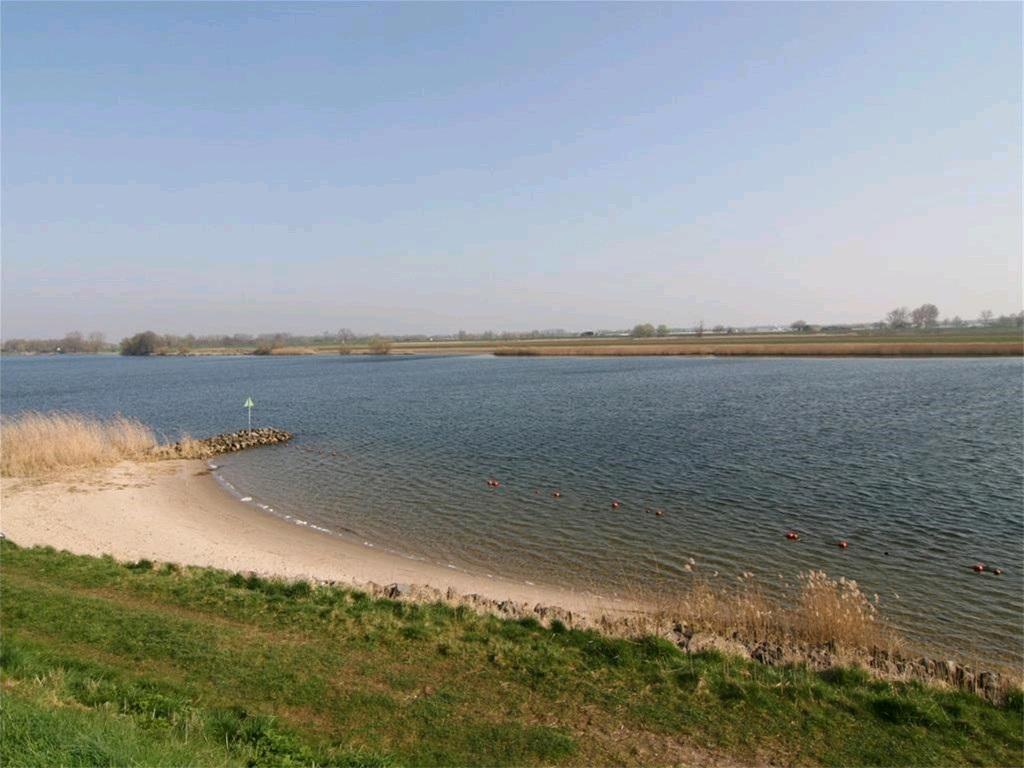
{"x":108,"y":664}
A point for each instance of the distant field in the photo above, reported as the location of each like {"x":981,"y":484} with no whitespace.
{"x":970,"y":342}
{"x":978,"y":342}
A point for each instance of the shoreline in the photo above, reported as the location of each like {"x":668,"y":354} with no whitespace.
{"x":995,"y":343}
{"x":178,"y":511}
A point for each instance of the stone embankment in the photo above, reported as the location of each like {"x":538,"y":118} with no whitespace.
{"x":228,"y":443}
{"x":884,"y":664}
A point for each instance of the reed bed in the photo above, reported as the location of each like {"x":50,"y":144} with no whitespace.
{"x":293,"y":351}
{"x":37,"y":444}
{"x":33,"y":444}
{"x":779,"y":349}
{"x":187,"y":447}
{"x":815,"y":611}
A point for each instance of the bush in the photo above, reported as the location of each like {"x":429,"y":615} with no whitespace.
{"x":379,"y":346}
{"x":263,"y":349}
{"x":140,"y":344}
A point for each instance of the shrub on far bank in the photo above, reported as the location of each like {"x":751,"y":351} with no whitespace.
{"x":379,"y":346}
{"x":140,"y":344}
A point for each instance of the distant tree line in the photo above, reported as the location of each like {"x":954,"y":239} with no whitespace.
{"x":148,"y":343}
{"x":923,"y":317}
{"x":71,"y":343}
{"x":646,"y":330}
{"x":927,"y":316}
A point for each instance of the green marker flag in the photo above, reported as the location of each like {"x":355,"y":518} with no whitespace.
{"x":249,"y":404}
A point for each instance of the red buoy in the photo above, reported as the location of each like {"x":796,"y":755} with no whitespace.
{"x":615,"y":504}
{"x":842,"y":544}
{"x":792,"y":535}
{"x":978,"y":567}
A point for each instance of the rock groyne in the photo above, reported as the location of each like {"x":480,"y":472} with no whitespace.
{"x":189,"y":448}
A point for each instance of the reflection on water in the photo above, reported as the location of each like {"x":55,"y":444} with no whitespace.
{"x":916,"y":463}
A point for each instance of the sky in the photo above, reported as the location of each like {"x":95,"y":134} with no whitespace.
{"x":425,"y":168}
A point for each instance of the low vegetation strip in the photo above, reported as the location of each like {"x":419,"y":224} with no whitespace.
{"x":37,"y":444}
{"x":106,"y":663}
{"x":810,"y":348}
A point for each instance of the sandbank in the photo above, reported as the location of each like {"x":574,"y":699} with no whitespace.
{"x":175,"y":511}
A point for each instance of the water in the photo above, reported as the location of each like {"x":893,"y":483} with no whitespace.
{"x":919,"y":464}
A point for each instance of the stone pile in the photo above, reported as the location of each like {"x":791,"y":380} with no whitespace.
{"x":226,"y":443}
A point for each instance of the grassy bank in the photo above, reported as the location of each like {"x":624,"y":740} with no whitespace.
{"x":111,"y":664}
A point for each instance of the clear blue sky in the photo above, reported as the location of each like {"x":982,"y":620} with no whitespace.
{"x":402,"y":168}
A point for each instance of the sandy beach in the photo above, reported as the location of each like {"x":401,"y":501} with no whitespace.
{"x":175,"y":511}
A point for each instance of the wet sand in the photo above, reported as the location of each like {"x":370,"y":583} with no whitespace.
{"x":175,"y":511}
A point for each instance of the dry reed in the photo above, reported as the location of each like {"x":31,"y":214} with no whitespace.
{"x":817,"y":611}
{"x":778,"y":349}
{"x":186,"y":448}
{"x":34,"y":444}
{"x":293,"y":351}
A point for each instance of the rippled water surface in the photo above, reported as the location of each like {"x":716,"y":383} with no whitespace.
{"x":919,"y":464}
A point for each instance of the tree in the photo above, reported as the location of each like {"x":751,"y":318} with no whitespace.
{"x":986,"y":317}
{"x":897,"y":318}
{"x":800,"y":326}
{"x":642,"y":331}
{"x":379,"y":346}
{"x":661,"y":330}
{"x":925,"y":316}
{"x":700,"y":329}
{"x":144,"y":343}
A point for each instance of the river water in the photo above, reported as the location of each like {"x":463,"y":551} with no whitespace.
{"x":918,"y":464}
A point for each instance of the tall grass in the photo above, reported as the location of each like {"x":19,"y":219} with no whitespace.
{"x":33,"y":444}
{"x":837,"y":609}
{"x":818,"y":610}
